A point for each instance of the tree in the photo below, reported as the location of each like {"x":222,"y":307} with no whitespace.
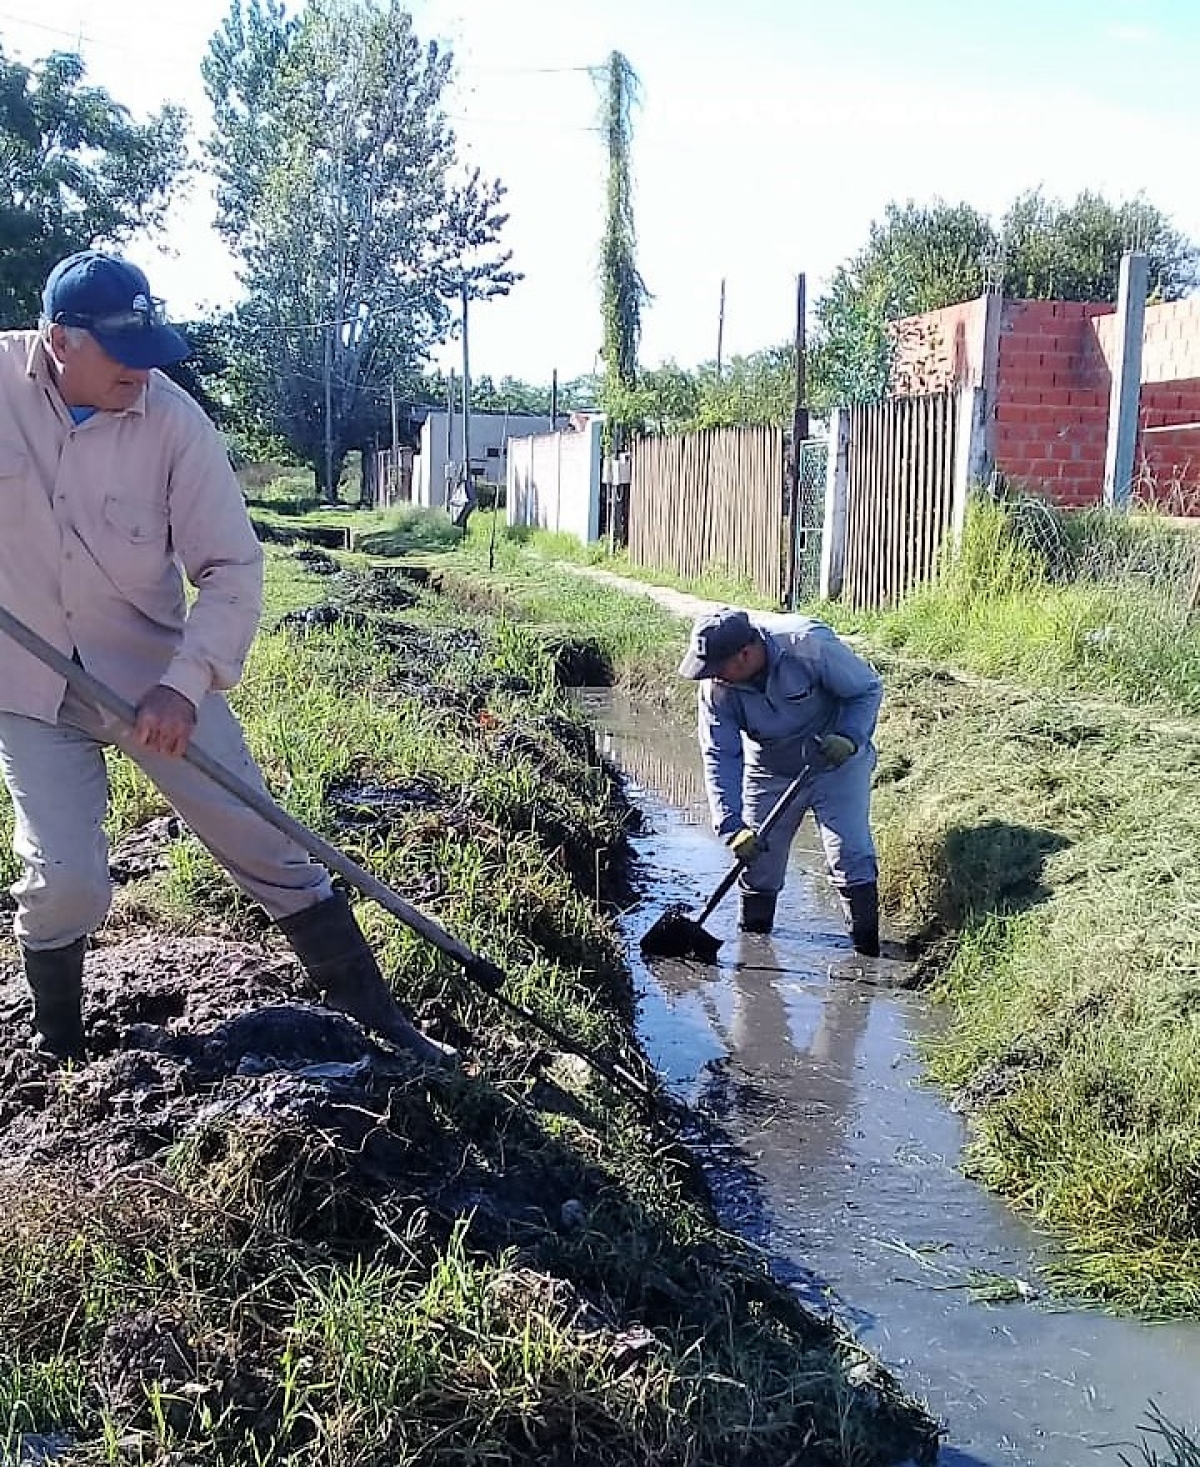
{"x":340,"y":191}
{"x":1056,"y":251}
{"x":623,"y":291}
{"x":75,"y":172}
{"x":922,"y":257}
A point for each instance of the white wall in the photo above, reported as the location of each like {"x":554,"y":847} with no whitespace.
{"x":488,"y":431}
{"x":554,"y":482}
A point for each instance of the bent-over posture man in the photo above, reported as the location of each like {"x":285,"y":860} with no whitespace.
{"x":113,"y":486}
{"x":774,"y":698}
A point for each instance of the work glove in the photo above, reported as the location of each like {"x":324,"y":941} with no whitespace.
{"x":744,"y":845}
{"x":836,"y":749}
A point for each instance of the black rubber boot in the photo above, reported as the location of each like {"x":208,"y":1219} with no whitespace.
{"x":757,"y":911}
{"x":55,"y":978}
{"x":334,"y":953}
{"x":861,"y":906}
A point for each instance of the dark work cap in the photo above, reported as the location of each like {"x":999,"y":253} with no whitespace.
{"x":111,"y":298}
{"x":716,"y":636}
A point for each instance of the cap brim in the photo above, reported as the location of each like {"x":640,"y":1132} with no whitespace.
{"x":693,"y":667}
{"x":161,"y":346}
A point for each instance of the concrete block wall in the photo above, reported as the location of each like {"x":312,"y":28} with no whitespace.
{"x":1167,"y":464}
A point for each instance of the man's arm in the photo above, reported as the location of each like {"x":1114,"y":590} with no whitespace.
{"x":853,"y":681}
{"x":220,"y":554}
{"x":723,"y":759}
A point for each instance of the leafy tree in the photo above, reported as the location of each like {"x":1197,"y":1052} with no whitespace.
{"x":623,"y":291}
{"x":750,"y":389}
{"x":337,"y":187}
{"x":1056,"y":251}
{"x":75,"y":172}
{"x":919,"y":258}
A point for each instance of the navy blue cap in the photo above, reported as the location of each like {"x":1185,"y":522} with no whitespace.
{"x":111,"y":298}
{"x":716,"y":636}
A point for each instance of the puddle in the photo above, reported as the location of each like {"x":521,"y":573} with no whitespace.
{"x":843,"y":1164}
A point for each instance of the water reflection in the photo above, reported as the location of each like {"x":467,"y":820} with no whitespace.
{"x":838,"y":1159}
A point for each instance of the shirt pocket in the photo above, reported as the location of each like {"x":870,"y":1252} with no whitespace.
{"x":136,"y":534}
{"x":140,"y":521}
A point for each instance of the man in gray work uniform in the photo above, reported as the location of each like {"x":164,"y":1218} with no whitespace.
{"x":775,"y":697}
{"x":114,"y":486}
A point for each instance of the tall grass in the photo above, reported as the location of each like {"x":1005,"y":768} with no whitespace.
{"x":1096,"y":603}
{"x":1042,"y":824}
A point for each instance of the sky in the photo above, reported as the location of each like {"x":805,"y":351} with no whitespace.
{"x":769,"y":135}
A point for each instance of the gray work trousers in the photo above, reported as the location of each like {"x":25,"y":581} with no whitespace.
{"x":58,"y":782}
{"x":840,"y":800}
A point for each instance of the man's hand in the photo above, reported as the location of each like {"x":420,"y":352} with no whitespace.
{"x":836,"y":749}
{"x":744,"y":845}
{"x":165,"y":720}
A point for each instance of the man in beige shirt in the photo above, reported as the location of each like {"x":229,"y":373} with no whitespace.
{"x":113,"y":486}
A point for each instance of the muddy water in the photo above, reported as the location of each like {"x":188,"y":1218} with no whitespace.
{"x":839,"y":1160}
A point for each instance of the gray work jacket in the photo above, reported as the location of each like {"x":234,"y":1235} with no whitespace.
{"x":815,"y":685}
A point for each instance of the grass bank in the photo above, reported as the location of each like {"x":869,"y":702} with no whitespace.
{"x":212,"y":1251}
{"x":1038,"y":809}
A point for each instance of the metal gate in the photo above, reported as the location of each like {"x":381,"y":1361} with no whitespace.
{"x":809,"y":522}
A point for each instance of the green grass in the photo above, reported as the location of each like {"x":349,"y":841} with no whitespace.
{"x":513,"y":548}
{"x":329,"y":1322}
{"x":1039,"y":825}
{"x":1064,"y":610}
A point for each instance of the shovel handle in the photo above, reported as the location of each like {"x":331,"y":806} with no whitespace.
{"x":480,"y":970}
{"x":774,"y":815}
{"x":261,"y":803}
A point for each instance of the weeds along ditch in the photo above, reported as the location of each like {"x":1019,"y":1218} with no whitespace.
{"x":241,"y":1232}
{"x":1037,"y":805}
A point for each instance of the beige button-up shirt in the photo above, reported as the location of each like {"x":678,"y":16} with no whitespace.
{"x":100,"y":522}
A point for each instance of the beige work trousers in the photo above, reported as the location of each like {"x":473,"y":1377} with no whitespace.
{"x":58,"y":782}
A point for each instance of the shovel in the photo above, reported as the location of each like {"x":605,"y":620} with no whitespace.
{"x":482,"y":972}
{"x":675,"y":934}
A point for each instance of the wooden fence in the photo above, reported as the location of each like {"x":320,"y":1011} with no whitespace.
{"x":901,"y":477}
{"x":710,"y":500}
{"x":387,"y":476}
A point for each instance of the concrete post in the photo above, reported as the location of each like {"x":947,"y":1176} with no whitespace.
{"x":833,"y":540}
{"x":970,"y":456}
{"x":1126,"y":389}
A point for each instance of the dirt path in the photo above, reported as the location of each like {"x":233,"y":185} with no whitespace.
{"x":681,"y":603}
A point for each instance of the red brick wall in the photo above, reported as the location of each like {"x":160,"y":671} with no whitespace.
{"x":1168,"y":464}
{"x":1053,"y":379}
{"x":940,"y":349}
{"x":1051,"y":411}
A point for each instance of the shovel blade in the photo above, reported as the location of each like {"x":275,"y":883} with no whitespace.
{"x":676,"y":935}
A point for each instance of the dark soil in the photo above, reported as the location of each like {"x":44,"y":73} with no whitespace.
{"x":188,"y":1034}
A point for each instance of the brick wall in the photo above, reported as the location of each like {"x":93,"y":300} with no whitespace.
{"x":1053,"y":376}
{"x":1051,"y":410}
{"x":1167,"y":464}
{"x":940,"y":349}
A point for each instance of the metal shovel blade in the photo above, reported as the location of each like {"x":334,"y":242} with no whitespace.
{"x":676,"y":935}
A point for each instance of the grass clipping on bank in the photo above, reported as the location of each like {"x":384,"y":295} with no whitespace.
{"x":1047,"y":845}
{"x":505,"y":1264}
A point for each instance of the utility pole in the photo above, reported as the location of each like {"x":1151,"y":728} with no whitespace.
{"x":554,"y":400}
{"x":394,"y":477}
{"x":720,"y":328}
{"x":465,"y":513}
{"x":799,"y":434}
{"x":329,"y":412}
